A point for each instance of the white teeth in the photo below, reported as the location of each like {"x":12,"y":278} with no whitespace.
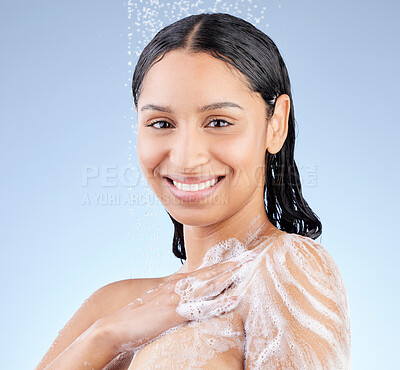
{"x":195,"y":187}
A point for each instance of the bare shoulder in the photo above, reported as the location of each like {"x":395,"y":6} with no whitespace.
{"x":300,"y":300}
{"x":310,"y":254}
{"x":103,"y":301}
{"x":116,"y":295}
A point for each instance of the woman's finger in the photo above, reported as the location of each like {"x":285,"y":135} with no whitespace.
{"x":209,"y":272}
{"x":193,"y":289}
{"x":218,"y":284}
{"x":203,"y":310}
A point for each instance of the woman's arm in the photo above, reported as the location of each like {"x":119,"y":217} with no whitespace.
{"x":88,"y":351}
{"x":102,"y":302}
{"x":95,"y":343}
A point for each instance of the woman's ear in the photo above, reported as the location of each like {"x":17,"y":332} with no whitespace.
{"x":278,"y":124}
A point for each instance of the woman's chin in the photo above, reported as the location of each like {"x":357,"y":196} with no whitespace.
{"x":199,"y":217}
{"x":192,"y":220}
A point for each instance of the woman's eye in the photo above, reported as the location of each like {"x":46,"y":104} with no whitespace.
{"x":153,"y":124}
{"x":225,"y":123}
{"x":216,"y":123}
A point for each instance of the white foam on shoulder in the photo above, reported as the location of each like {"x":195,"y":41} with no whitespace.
{"x":292,"y":305}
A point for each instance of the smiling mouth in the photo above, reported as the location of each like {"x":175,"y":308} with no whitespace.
{"x":195,"y":187}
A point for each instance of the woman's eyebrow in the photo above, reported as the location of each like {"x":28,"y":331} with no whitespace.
{"x":226,"y":104}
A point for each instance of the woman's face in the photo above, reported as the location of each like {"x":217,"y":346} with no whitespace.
{"x":184,"y":135}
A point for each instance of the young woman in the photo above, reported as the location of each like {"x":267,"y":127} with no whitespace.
{"x":216,"y":144}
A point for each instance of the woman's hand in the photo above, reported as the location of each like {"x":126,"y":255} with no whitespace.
{"x":181,"y":298}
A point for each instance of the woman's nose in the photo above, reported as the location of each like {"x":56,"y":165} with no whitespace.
{"x":188,"y":149}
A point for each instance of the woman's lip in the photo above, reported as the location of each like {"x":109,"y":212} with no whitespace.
{"x":191,"y":180}
{"x":192,"y":196}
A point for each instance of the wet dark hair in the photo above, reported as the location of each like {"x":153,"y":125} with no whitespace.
{"x":256,"y":56}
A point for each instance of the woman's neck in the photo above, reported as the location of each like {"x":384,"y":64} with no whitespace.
{"x":199,"y":239}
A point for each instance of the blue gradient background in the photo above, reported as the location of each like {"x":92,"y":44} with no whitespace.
{"x":66,"y":107}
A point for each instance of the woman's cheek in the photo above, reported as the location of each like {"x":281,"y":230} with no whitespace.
{"x":236,"y":152}
{"x":150,"y":155}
